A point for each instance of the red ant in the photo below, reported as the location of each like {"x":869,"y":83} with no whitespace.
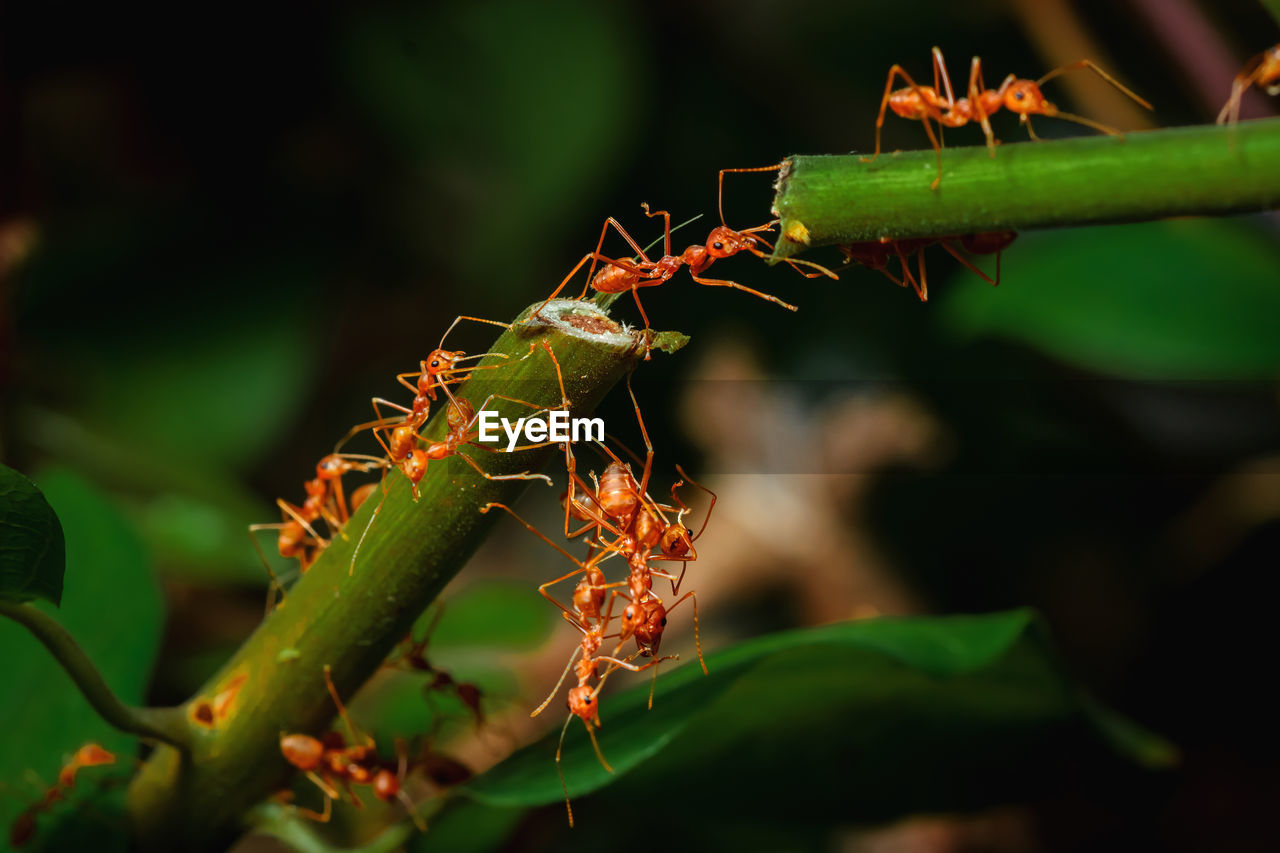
{"x":938,"y":102}
{"x":876,"y":255}
{"x":621,"y":275}
{"x":403,"y":451}
{"x":1263,"y":71}
{"x":328,"y":759}
{"x":583,"y":700}
{"x":412,"y":655}
{"x":325,"y":500}
{"x":90,"y":755}
{"x":438,"y":370}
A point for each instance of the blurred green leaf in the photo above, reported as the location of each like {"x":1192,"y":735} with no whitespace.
{"x":465,"y":826}
{"x":225,"y":396}
{"x":491,"y":614}
{"x":908,"y":715}
{"x":32,"y":555}
{"x":1188,"y":299}
{"x":540,"y":134}
{"x":111,"y":605}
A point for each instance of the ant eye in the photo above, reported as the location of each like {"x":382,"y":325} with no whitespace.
{"x":436,"y":363}
{"x":664,"y":621}
{"x":1018,"y":96}
{"x":717,"y":246}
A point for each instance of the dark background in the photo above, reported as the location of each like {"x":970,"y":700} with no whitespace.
{"x":226,"y":227}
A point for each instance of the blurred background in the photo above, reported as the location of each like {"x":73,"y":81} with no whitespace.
{"x":223,"y":230}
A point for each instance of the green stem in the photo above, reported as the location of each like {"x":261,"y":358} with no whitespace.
{"x":351,"y":617}
{"x":167,"y":725}
{"x":835,"y":200}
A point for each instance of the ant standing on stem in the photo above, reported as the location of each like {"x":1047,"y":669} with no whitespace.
{"x":938,"y":103}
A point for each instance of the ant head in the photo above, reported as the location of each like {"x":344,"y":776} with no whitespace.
{"x":386,"y":785}
{"x":331,"y":467}
{"x":724,"y":242}
{"x":676,"y":540}
{"x":1025,"y":98}
{"x":655,"y":621}
{"x":582,"y":702}
{"x":439,"y":361}
{"x":302,"y":751}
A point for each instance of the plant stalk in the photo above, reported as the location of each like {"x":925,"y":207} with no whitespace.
{"x":351,"y":618}
{"x":166,"y":725}
{"x":1187,"y":171}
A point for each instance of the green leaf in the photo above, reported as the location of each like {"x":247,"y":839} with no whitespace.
{"x":907,"y":715}
{"x":1192,"y":299}
{"x":32,"y":555}
{"x":491,"y":614}
{"x":112,"y":606}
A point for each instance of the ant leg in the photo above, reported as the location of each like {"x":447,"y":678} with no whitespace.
{"x":380,"y":422}
{"x":937,"y":150}
{"x":1090,"y":65}
{"x":626,"y":235}
{"x":720,"y":196}
{"x":715,"y":282}
{"x":794,"y":263}
{"x":351,"y":569}
{"x":329,"y":796}
{"x":538,"y":311}
{"x":666,"y":225}
{"x":506,"y":326}
{"x":275,"y":581}
{"x":955,"y":253}
{"x":635,"y":294}
{"x":706,"y":519}
{"x":697,"y":639}
{"x":976,"y":87}
{"x":560,"y":769}
{"x":940,"y":71}
{"x":924,"y":282}
{"x":524,"y":475}
{"x":894,"y":72}
{"x":542,"y":590}
{"x":595,"y":744}
{"x":567,"y":667}
{"x":292,"y":511}
{"x":648,"y":457}
{"x":342,"y":709}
